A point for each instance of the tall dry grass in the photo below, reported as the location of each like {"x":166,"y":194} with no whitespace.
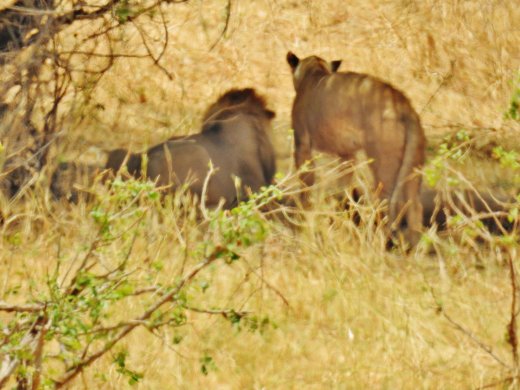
{"x":338,"y":310}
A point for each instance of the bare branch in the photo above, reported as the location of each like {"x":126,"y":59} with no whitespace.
{"x":7,"y":367}
{"x":502,"y":382}
{"x":38,"y":354}
{"x":4,"y":306}
{"x":223,"y":312}
{"x":271,"y":287}
{"x":9,"y":363}
{"x":150,"y":53}
{"x":511,"y":327}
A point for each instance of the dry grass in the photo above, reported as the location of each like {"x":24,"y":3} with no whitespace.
{"x":358,"y":316}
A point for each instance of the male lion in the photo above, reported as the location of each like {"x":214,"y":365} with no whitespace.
{"x":344,"y":112}
{"x":234,"y":139}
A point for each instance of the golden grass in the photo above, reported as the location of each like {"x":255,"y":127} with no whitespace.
{"x":358,"y":316}
{"x":454,"y":60}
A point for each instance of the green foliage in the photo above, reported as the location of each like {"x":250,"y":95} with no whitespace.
{"x":81,"y":302}
{"x":123,"y":11}
{"x":14,"y":239}
{"x":513,"y":214}
{"x":120,"y":361}
{"x":206,"y":364}
{"x":443,"y":171}
{"x":258,"y":324}
{"x":513,"y":112}
{"x":454,"y":151}
{"x":507,"y":159}
{"x":242,"y":226}
{"x":120,"y":204}
{"x":454,"y":148}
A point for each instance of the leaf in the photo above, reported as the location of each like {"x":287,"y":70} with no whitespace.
{"x":207,"y":363}
{"x":123,"y":12}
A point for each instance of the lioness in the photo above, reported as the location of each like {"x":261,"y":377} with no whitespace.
{"x":344,"y":112}
{"x":234,"y":139}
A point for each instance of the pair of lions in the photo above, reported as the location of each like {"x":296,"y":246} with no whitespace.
{"x":335,"y":112}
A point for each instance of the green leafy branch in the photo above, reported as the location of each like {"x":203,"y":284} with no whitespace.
{"x":513,"y":112}
{"x":453,"y":148}
{"x":77,"y":309}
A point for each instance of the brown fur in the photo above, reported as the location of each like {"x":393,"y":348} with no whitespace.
{"x":119,"y":157}
{"x":344,"y":112}
{"x":69,"y":177}
{"x":234,"y":138}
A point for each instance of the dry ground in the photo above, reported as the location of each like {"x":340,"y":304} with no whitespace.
{"x":357,"y":316}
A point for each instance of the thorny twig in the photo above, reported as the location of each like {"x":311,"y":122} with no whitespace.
{"x":226,"y":26}
{"x":468,"y":333}
{"x":445,"y":79}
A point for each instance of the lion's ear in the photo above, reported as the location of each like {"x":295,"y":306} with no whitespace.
{"x":334,"y":65}
{"x":293,"y":60}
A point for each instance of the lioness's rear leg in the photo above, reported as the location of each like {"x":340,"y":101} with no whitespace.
{"x":414,"y":212}
{"x":351,"y":194}
{"x":386,"y":172}
{"x":302,"y":155}
{"x":385,"y":175}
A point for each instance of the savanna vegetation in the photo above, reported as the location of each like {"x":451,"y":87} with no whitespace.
{"x":129,"y":288}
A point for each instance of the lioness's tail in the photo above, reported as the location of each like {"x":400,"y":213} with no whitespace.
{"x":413,"y":158}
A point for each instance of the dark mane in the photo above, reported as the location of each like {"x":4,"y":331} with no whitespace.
{"x":236,"y":101}
{"x":212,"y":127}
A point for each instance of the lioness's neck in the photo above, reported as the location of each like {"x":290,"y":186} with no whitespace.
{"x":311,"y":78}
